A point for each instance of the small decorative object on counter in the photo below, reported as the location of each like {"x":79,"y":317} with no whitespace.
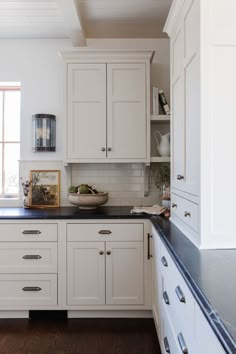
{"x":44,"y":132}
{"x":86,"y":197}
{"x":163,"y":102}
{"x":26,"y":189}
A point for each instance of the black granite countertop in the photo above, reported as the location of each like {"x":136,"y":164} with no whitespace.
{"x":210,"y":274}
{"x":105,"y":212}
{"x":211,"y":277}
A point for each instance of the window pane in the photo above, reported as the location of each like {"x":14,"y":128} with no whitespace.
{"x":11,"y":168}
{"x":1,"y":104}
{"x":12,"y":116}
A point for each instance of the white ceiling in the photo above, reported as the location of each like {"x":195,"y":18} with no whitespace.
{"x":80,"y":19}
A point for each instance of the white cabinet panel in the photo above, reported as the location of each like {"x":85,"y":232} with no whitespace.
{"x":30,"y":232}
{"x":177,"y":54}
{"x":126,"y":109}
{"x":206,"y":341}
{"x":86,"y":124}
{"x":192,"y":112}
{"x":28,"y":257}
{"x":104,"y":232}
{"x":85,"y":273}
{"x":28,"y":290}
{"x":124,"y":273}
{"x":178,"y":133}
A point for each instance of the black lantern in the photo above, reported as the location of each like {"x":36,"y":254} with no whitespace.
{"x":44,"y":132}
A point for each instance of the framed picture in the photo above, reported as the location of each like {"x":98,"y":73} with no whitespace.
{"x":45,"y":188}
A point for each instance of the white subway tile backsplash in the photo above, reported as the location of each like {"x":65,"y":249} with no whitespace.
{"x":124,"y":182}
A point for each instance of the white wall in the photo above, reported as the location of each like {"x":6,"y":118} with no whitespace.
{"x":36,"y":64}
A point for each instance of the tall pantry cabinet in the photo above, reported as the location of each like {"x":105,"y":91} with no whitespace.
{"x":203,"y":53}
{"x":107,"y":105}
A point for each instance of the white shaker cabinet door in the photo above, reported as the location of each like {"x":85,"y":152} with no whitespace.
{"x":85,"y":273}
{"x":124,"y":273}
{"x":126,"y":111}
{"x":86,"y":111}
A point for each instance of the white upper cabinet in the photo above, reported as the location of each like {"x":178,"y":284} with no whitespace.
{"x":185,"y":78}
{"x":203,"y":54}
{"x":86,"y":124}
{"x":107,"y":106}
{"x":126,"y":111}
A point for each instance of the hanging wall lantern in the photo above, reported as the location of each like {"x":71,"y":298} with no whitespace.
{"x":44,"y":132}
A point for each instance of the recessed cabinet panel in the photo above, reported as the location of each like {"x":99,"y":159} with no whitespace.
{"x":177,"y":54}
{"x":192,"y":112}
{"x":28,"y":290}
{"x":178,"y":134}
{"x":85,"y":273}
{"x":86,"y":123}
{"x":124,"y":273}
{"x":126,"y":110}
{"x":191,"y":31}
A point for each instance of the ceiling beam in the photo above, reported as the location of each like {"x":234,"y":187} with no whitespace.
{"x":73,"y":22}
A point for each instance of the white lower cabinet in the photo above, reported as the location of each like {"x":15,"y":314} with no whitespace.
{"x":181,"y":325}
{"x":86,"y":273}
{"x":100,"y":273}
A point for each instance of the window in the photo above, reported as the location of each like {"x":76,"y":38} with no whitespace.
{"x":9,"y":139}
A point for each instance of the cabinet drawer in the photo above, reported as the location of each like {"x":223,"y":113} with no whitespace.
{"x":28,"y":289}
{"x":105,"y":232}
{"x":28,"y":257}
{"x":186,"y":211}
{"x":168,"y":340}
{"x":28,"y":232}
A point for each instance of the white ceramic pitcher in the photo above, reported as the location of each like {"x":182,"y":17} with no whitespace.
{"x":163,"y":143}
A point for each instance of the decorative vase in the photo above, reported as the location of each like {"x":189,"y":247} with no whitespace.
{"x":26,"y":201}
{"x":163,"y":143}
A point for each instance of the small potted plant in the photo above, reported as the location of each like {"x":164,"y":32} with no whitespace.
{"x":26,"y":188}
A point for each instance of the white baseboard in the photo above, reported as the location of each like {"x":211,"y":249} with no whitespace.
{"x":14,"y":314}
{"x":109,"y":314}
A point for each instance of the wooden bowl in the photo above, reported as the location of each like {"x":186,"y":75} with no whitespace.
{"x":88,"y":201}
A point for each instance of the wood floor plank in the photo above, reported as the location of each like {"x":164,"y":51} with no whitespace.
{"x":78,"y":336}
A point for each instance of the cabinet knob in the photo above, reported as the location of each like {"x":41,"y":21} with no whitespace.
{"x":179,"y":177}
{"x":174,"y":205}
{"x":187,"y":213}
{"x":108,"y":253}
{"x":101,"y":252}
{"x":103,"y":149}
{"x":109,"y":149}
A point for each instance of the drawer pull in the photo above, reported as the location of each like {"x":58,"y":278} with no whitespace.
{"x":31,"y":232}
{"x":31,"y":256}
{"x":166,"y":298}
{"x":186,"y":213}
{"x":149,"y":255}
{"x":166,"y":345}
{"x":179,"y":177}
{"x":104,"y":232}
{"x":174,"y":205}
{"x":164,"y":261}
{"x":180,"y":294}
{"x":182,"y":343}
{"x":31,"y":288}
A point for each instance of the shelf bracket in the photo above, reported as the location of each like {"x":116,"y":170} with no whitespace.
{"x":146,"y":180}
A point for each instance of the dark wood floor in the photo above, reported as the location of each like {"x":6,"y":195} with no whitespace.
{"x":82,"y":336}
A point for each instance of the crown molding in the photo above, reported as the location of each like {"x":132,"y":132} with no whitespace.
{"x":173,"y":16}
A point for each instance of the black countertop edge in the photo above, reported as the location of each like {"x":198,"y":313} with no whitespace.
{"x":208,"y":310}
{"x":70,"y":213}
